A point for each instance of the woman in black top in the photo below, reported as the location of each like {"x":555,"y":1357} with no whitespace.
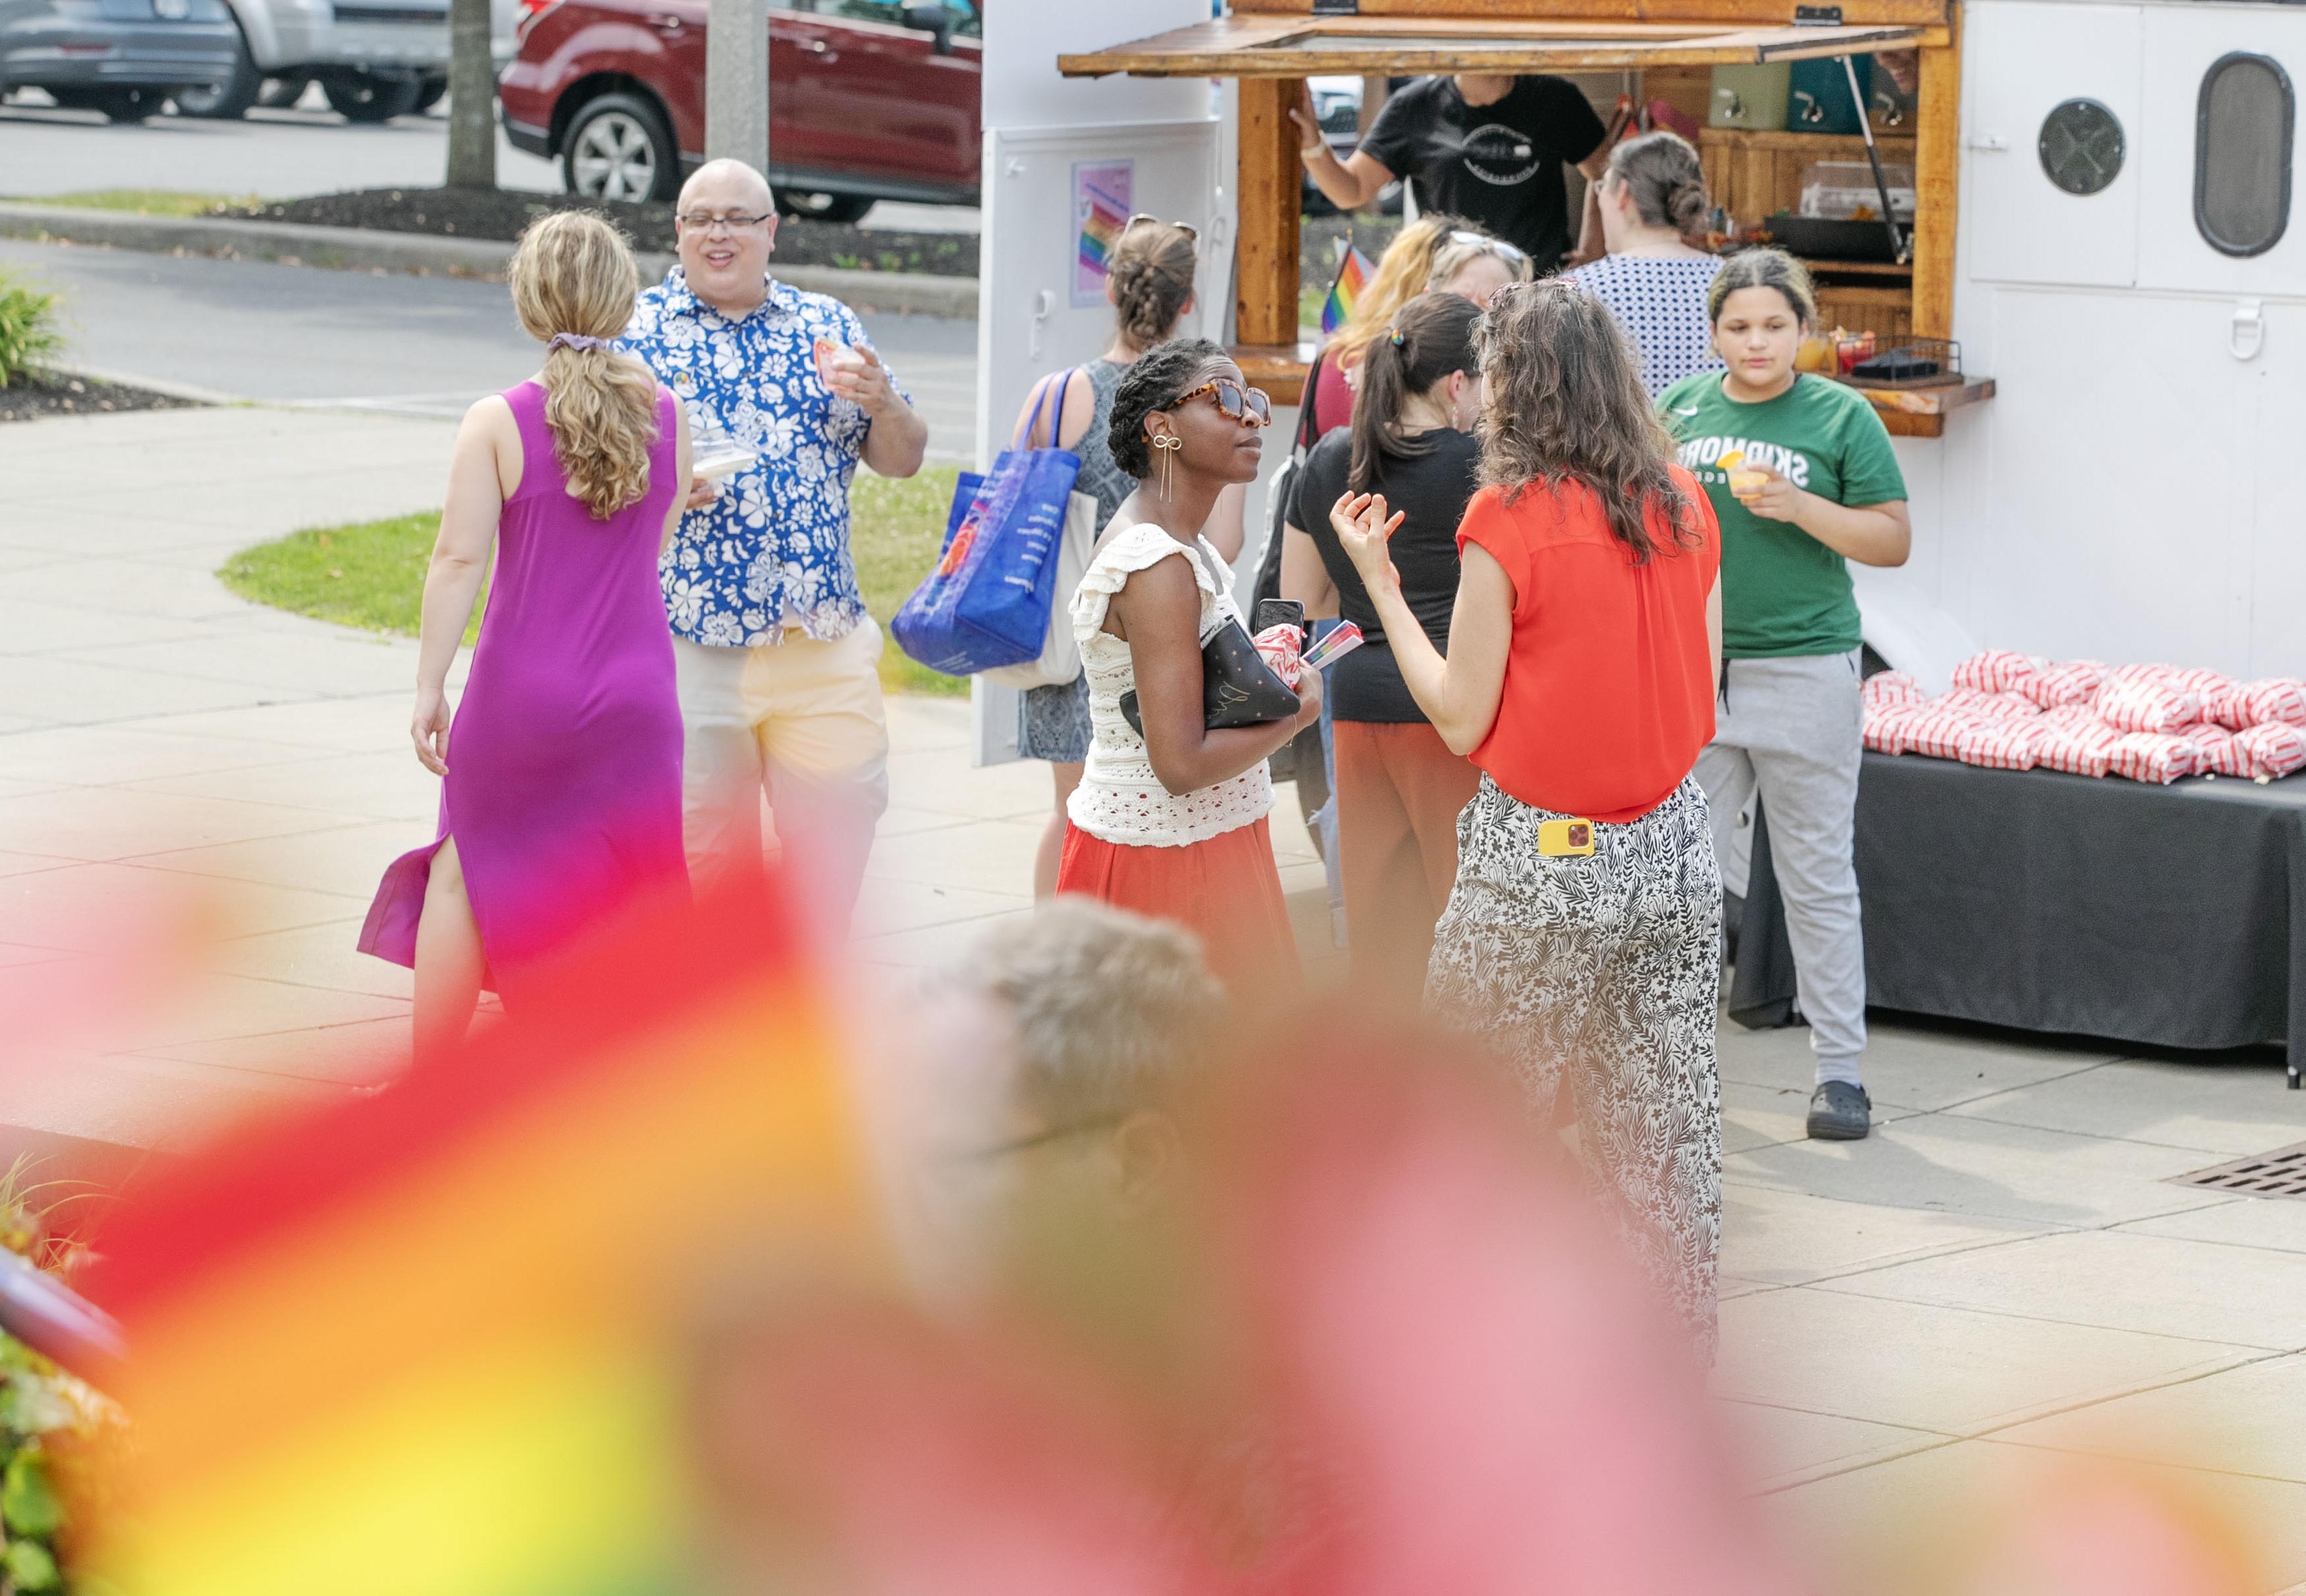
{"x":1485,"y":146}
{"x":1398,"y":787}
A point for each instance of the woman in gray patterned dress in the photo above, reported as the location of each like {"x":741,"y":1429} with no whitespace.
{"x":1583,"y":938}
{"x":1149,"y":282}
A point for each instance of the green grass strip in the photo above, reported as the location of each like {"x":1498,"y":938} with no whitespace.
{"x":370,"y":574}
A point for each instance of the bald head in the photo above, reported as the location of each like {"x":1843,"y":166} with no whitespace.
{"x":726,"y":258}
{"x":724,"y":184}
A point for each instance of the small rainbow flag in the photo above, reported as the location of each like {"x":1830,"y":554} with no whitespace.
{"x":439,"y":1340}
{"x":1353,"y":273}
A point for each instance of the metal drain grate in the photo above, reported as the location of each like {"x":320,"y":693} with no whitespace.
{"x":2281,"y":1172}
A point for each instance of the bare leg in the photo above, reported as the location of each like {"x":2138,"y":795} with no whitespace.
{"x":449,"y":960}
{"x":1052,"y":838}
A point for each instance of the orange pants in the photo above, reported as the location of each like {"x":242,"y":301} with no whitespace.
{"x":1399,"y":789}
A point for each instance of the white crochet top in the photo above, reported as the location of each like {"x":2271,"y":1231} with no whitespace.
{"x":1120,"y":799}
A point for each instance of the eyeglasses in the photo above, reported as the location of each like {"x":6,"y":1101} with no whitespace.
{"x":1187,"y":228}
{"x":1234,"y":402}
{"x":698,"y":221}
{"x":1496,"y":246}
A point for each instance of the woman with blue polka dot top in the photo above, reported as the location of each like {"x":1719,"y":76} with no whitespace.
{"x":1655,"y":281}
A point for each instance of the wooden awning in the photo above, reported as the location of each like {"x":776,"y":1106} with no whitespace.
{"x":1307,"y":46}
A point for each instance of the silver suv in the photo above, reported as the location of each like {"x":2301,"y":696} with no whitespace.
{"x":374,"y":59}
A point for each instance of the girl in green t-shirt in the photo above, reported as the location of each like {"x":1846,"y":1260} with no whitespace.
{"x":1803,"y":480}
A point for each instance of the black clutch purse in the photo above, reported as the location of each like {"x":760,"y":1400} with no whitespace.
{"x":1238,"y":687}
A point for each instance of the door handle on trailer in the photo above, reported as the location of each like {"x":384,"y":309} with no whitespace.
{"x":2246,"y":333}
{"x":665,"y":22}
{"x":1989,"y":142}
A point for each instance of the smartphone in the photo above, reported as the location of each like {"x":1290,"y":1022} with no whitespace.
{"x":1278,"y":612}
{"x":825,"y":350}
{"x":1559,"y":839}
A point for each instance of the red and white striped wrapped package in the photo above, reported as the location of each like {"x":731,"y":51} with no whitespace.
{"x":2216,"y":751}
{"x":1936,"y":730}
{"x":2144,"y":704}
{"x":1996,"y":670}
{"x":2082,"y":747}
{"x":2075,"y":681}
{"x":2278,"y":699}
{"x":1891,"y":689}
{"x":2001,"y":745}
{"x":2275,"y":749}
{"x":1885,"y":729}
{"x":1988,"y":706}
{"x":2153,"y":756}
{"x":2209,"y":688}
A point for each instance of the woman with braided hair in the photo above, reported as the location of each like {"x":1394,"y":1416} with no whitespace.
{"x":1149,"y":283}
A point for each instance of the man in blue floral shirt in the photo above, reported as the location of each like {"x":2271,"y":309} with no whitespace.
{"x":778,"y":662}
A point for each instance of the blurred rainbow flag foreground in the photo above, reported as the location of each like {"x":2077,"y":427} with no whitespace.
{"x":436,"y":1341}
{"x":1353,"y":273}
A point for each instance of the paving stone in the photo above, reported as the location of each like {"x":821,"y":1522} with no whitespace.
{"x":1976,"y":1167}
{"x":2241,"y":1421}
{"x":2118,"y":1279}
{"x":2216,"y":1107}
{"x":1922,"y":1366}
{"x":1907,"y":1066}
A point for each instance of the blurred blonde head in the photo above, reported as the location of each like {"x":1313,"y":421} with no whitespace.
{"x":1474,"y":264}
{"x":572,"y":273}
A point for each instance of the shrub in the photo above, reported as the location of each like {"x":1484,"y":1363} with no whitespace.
{"x":29,"y":333}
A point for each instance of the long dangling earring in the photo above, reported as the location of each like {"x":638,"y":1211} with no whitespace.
{"x":1168,"y":444}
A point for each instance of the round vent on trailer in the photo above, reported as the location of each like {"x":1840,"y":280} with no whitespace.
{"x":2081,"y":146}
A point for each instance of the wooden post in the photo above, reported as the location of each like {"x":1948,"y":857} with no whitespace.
{"x":1937,"y":182}
{"x":1266,"y":309}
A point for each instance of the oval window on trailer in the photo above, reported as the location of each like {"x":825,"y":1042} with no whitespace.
{"x":2242,"y":154}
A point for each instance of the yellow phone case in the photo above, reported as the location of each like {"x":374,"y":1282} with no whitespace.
{"x":1563,"y":839}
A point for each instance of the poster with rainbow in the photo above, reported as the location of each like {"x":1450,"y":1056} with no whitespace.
{"x":1101,"y":202}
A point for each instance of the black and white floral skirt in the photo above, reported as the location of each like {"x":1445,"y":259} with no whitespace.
{"x":1605,"y":971}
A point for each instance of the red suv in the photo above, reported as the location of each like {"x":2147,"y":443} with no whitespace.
{"x":868,"y":99}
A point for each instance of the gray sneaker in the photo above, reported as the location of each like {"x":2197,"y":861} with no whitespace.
{"x":1840,"y":1112}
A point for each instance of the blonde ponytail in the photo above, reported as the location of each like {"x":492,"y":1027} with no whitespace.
{"x":572,"y":274}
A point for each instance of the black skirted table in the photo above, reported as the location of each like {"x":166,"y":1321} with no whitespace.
{"x":2174,"y":916}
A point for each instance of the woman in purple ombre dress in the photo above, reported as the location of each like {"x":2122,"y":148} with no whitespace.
{"x":561,"y":800}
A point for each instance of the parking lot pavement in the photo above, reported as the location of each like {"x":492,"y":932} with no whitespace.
{"x":252,"y":329}
{"x":285,"y":155}
{"x":279,"y":155}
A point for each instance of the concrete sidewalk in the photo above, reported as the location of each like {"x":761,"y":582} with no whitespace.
{"x":2003,"y":1271}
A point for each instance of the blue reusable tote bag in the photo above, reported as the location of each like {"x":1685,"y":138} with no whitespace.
{"x":988,"y":602}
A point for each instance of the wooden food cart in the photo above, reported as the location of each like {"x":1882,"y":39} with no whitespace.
{"x":1272,"y":45}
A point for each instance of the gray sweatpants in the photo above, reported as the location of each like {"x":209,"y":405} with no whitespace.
{"x":1792,"y":729}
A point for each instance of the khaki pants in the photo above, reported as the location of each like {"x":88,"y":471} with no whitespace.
{"x":803,"y":722}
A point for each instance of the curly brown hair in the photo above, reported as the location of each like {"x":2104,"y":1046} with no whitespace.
{"x":1563,"y":403}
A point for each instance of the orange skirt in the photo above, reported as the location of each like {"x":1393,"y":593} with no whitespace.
{"x":1227,"y":891}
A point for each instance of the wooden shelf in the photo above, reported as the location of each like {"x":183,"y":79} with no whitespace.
{"x":1273,"y":367}
{"x":1921,"y":412}
{"x":1858,"y":268}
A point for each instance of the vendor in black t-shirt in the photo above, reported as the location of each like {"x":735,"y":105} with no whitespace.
{"x":1398,"y":787}
{"x":1487,"y":148}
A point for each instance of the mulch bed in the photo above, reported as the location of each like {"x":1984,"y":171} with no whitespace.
{"x":501,"y":215}
{"x":43,"y":395}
